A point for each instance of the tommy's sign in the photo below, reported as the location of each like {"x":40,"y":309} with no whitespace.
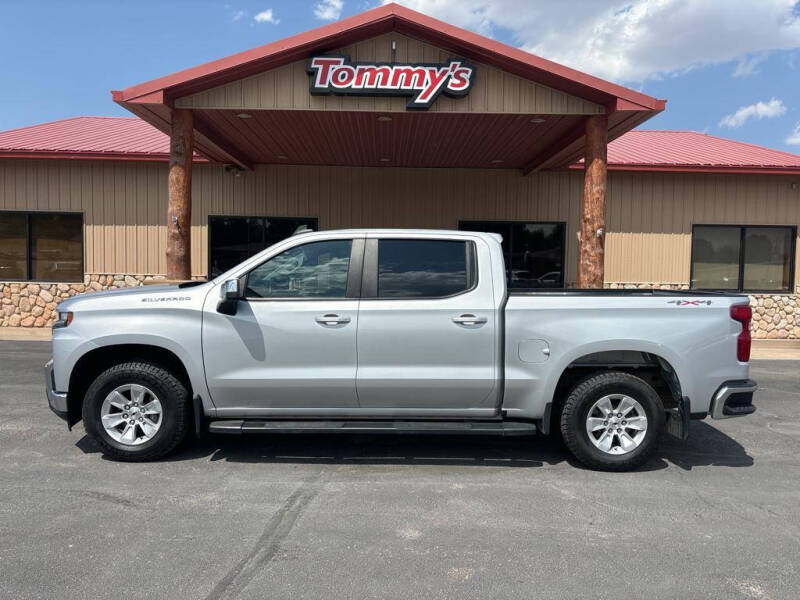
{"x":423,"y":82}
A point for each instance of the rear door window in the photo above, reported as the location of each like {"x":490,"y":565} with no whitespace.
{"x":424,"y":268}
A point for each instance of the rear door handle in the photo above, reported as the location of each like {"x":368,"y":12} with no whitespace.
{"x":469,"y":319}
{"x":331,"y":319}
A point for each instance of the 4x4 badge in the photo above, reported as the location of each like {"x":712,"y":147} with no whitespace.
{"x":689,"y":302}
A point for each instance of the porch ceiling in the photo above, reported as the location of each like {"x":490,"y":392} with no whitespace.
{"x":382,"y":139}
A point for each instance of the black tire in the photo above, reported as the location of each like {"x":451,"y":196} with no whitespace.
{"x":582,"y":398}
{"x":172,"y":394}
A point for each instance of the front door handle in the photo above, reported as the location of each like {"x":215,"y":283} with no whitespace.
{"x":469,"y":319}
{"x":331,"y":319}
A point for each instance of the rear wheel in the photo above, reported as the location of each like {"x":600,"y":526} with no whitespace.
{"x":136,"y":411}
{"x":612,"y":421}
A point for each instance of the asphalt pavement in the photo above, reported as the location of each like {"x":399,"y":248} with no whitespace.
{"x":397,"y":517}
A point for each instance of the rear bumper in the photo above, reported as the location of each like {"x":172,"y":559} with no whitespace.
{"x":734,"y":399}
{"x":56,"y":400}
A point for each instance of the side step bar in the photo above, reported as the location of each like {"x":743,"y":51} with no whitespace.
{"x":395,"y":427}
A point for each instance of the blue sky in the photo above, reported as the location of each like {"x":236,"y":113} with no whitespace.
{"x":709,"y":58}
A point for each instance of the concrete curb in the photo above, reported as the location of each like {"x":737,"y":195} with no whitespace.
{"x":41,"y":334}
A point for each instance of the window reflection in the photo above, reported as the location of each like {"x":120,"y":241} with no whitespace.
{"x":13,"y":246}
{"x":422,"y":268}
{"x":533,"y":251}
{"x":314,"y":270}
{"x":741,"y":258}
{"x":235,"y":239}
{"x":767,"y":260}
{"x":41,"y":246}
{"x":715,"y":252}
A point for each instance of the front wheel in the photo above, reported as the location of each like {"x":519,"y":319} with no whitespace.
{"x":612,"y":421}
{"x":136,"y":411}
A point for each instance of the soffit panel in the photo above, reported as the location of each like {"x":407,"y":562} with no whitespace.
{"x":408,"y":140}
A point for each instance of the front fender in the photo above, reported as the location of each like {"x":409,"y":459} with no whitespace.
{"x":175,"y":329}
{"x":193,"y":365}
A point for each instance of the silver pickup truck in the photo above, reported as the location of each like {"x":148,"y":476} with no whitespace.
{"x":400,"y":331}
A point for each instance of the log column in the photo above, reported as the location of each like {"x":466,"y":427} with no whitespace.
{"x":179,"y":209}
{"x":593,"y":212}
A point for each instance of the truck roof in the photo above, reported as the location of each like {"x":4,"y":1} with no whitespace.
{"x":385,"y":230}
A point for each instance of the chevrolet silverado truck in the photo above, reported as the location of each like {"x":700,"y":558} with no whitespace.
{"x":396,"y":331}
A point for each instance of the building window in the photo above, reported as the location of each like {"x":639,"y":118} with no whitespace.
{"x":743,"y":258}
{"x":234,"y":239}
{"x":424,"y":268}
{"x":40,"y":246}
{"x":534,"y":252}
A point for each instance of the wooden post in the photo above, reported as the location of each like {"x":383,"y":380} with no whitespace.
{"x":179,"y":210}
{"x":593,"y":213}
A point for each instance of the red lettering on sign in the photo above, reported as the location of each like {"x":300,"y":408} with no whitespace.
{"x":424,"y":83}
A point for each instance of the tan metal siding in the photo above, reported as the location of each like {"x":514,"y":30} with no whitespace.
{"x":390,"y":197}
{"x":650,"y":215}
{"x":123,"y":206}
{"x":493,"y":91}
{"x":650,"y":218}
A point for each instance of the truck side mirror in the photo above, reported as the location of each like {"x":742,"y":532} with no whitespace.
{"x":232,"y":289}
{"x":230,"y":294}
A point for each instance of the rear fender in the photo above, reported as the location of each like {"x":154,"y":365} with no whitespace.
{"x":635,"y":345}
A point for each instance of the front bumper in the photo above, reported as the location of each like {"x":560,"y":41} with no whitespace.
{"x":734,"y":399}
{"x":56,"y":400}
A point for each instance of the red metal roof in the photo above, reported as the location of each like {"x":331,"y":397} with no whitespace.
{"x":129,"y":138}
{"x":120,"y":138}
{"x":694,"y":151}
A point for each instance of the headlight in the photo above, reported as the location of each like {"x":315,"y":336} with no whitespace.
{"x":64,"y":319}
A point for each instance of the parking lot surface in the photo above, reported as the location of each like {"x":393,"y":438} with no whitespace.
{"x":397,"y":517}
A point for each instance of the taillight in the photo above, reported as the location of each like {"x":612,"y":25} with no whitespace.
{"x":743,"y":314}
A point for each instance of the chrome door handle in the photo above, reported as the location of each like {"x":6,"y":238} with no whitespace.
{"x":331,"y":319}
{"x":469,"y":319}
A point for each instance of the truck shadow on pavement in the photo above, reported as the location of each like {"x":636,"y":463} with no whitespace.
{"x":706,"y":446}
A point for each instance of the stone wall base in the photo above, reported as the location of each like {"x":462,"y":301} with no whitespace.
{"x":25,"y":304}
{"x":775,"y":316}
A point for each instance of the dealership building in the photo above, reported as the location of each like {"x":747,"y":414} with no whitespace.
{"x":393,"y":119}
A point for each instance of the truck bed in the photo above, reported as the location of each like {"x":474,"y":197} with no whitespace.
{"x":615,"y":292}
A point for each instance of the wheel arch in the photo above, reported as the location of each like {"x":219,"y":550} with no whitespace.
{"x":656,"y":368}
{"x":97,"y":360}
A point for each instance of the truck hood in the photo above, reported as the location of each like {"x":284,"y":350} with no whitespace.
{"x":132,"y":296}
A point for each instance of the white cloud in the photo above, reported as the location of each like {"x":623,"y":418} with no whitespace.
{"x":794,"y":137}
{"x":748,"y":65}
{"x":266,"y":16}
{"x":631,"y":40}
{"x":760,"y":110}
{"x":328,"y":10}
{"x":237,"y":15}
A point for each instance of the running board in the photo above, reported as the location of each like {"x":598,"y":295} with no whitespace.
{"x":395,"y":427}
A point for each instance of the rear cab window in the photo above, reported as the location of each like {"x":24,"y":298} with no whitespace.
{"x":423,"y":268}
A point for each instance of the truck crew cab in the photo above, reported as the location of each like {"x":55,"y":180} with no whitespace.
{"x":396,"y":331}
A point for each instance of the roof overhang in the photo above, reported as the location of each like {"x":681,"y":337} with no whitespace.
{"x":154,"y":100}
{"x":705,"y":169}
